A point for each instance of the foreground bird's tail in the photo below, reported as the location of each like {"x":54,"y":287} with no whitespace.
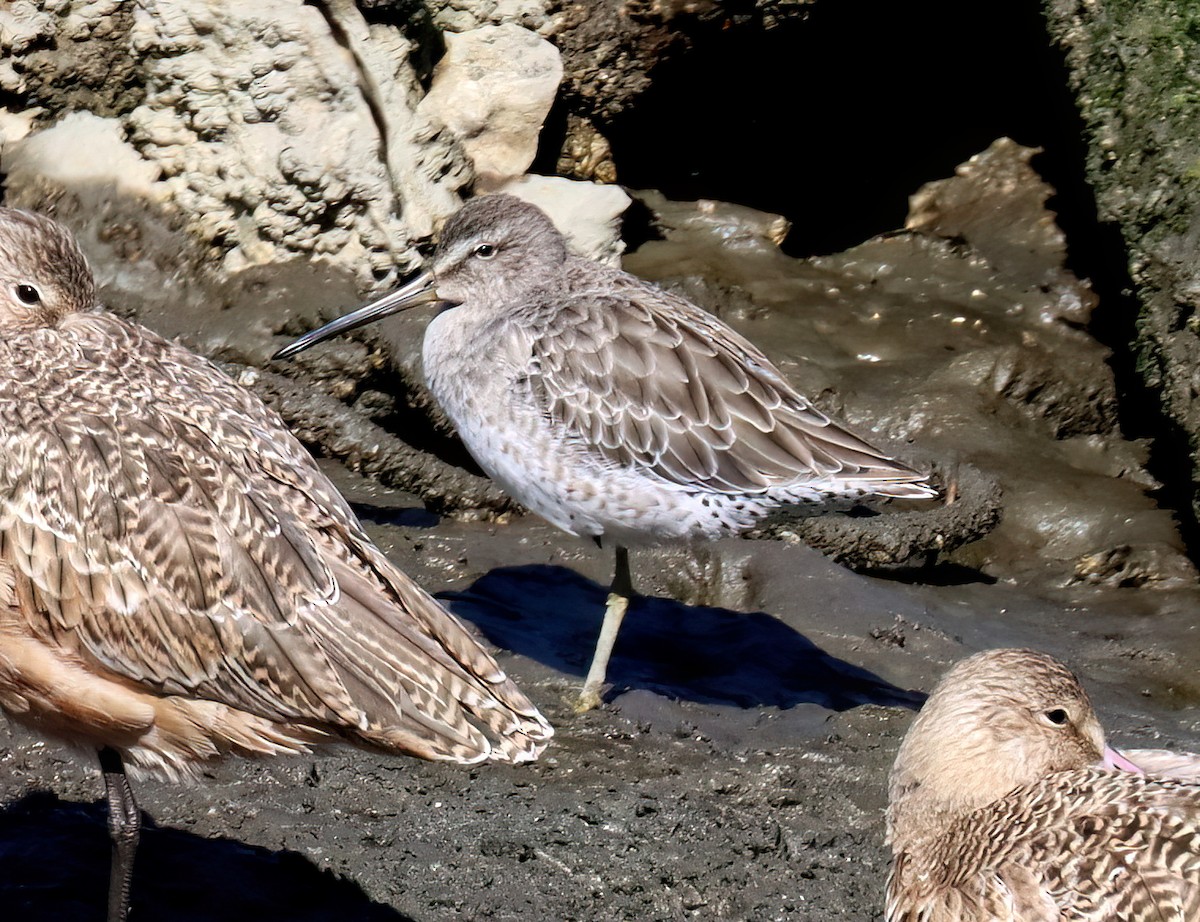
{"x":423,"y":683}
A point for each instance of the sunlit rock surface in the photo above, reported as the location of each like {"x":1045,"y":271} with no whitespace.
{"x":493,"y":90}
{"x":276,"y":129}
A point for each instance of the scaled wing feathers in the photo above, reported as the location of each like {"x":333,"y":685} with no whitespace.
{"x":657,"y":384}
{"x":1089,"y":845}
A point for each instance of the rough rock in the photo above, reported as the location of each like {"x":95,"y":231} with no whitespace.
{"x":586,"y":153}
{"x":268,"y":137}
{"x":60,"y":56}
{"x":264,"y":124}
{"x":1134,"y":67}
{"x":464,"y":15}
{"x":589,"y":214}
{"x":493,"y":90}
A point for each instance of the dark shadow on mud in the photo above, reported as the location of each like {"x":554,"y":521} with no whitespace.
{"x":400,"y":516}
{"x":54,"y":860}
{"x":934,"y":574}
{"x":711,"y":655}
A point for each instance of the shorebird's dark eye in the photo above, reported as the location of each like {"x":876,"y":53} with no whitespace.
{"x":1058,"y":717}
{"x":27,"y":294}
{"x":485,"y":251}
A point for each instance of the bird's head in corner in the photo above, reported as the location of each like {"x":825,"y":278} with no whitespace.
{"x":43,"y":274}
{"x":998,"y":720}
{"x":495,"y":248}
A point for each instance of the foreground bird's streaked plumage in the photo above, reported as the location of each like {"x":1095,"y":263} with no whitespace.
{"x":1006,"y":806}
{"x":179,"y":581}
{"x":610,"y":407}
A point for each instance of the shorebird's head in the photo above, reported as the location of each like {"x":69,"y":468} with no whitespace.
{"x":492,"y":251}
{"x":998,"y":720}
{"x":495,"y":249}
{"x":43,"y":274}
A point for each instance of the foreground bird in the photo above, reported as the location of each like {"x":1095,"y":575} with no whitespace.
{"x":1006,"y":806}
{"x":178,"y":580}
{"x":610,"y":407}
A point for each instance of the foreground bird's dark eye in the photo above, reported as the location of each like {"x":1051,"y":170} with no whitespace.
{"x":1057,"y":716}
{"x":485,"y":251}
{"x":27,"y":294}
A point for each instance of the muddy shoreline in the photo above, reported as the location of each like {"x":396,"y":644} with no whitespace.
{"x":738,"y":771}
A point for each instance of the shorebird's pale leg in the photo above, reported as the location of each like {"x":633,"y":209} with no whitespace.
{"x":614,"y":612}
{"x":124,"y":828}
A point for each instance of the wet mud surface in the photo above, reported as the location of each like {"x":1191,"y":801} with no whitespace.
{"x":737,"y":771}
{"x":760,"y":690}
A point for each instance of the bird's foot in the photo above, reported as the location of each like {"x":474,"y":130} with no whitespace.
{"x":589,"y":699}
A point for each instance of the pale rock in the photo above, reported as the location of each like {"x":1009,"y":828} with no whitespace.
{"x":15,"y":125}
{"x":587,"y":213}
{"x":80,"y":149}
{"x":493,"y":90}
{"x":264,"y":124}
{"x":23,"y":24}
{"x":464,"y":15}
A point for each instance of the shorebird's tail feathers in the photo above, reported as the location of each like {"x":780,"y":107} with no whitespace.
{"x":423,"y":683}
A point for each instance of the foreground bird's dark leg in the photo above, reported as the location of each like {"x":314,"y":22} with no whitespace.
{"x":618,"y":603}
{"x":124,"y":828}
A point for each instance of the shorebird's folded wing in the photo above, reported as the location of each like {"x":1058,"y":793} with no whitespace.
{"x":654,"y":382}
{"x":1086,"y":845}
{"x":970,"y":885}
{"x":192,"y":546}
{"x":134,"y":547}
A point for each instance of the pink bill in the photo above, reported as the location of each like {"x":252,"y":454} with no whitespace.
{"x":1114,"y":759}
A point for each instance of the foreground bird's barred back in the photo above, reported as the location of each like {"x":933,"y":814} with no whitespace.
{"x":177,"y":578}
{"x":1001,"y":811}
{"x":1084,"y":845}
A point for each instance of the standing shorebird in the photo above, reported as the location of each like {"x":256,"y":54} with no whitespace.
{"x":610,"y":407}
{"x":179,"y":581}
{"x":1006,"y":806}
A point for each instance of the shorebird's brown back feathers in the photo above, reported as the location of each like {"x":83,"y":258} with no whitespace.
{"x":163,"y":525}
{"x":1090,"y":844}
{"x":656,"y":383}
{"x":1001,"y":810}
{"x":987,"y":897}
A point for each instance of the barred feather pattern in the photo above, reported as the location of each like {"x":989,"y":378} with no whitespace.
{"x":180,"y":581}
{"x":1078,"y":842}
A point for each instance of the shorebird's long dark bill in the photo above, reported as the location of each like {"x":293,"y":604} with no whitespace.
{"x":419,"y":291}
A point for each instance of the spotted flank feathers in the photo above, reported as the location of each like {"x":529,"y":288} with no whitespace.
{"x":179,"y":579}
{"x":1006,"y":806}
